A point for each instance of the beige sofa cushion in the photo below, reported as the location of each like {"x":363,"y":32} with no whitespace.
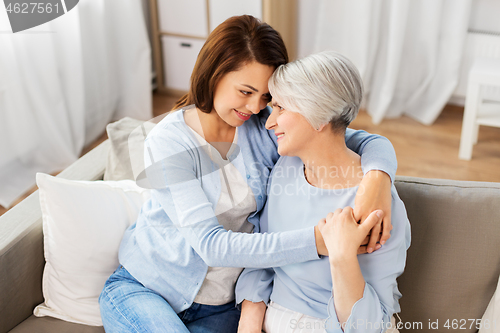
{"x":53,"y":325}
{"x":453,"y":262}
{"x":126,"y":157}
{"x":119,"y":166}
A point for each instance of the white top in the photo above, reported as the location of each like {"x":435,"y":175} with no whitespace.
{"x":235,"y":203}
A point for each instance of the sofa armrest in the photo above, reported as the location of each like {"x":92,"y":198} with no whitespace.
{"x":21,"y":244}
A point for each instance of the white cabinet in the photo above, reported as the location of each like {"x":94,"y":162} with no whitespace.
{"x":185,"y":25}
{"x":180,"y":28}
{"x":220,"y":10}
{"x":179,"y":57}
{"x":183,"y":17}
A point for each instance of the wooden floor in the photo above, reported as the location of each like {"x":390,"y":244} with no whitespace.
{"x":432,"y":151}
{"x":422,"y":151}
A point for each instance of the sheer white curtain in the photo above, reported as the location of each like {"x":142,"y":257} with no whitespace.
{"x":408,"y":51}
{"x":63,"y":81}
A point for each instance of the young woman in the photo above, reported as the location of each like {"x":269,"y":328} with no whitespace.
{"x":314,"y":100}
{"x":209,"y":165}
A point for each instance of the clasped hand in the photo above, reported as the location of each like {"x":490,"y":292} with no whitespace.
{"x":343,"y":236}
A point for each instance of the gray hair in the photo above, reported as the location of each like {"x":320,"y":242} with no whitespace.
{"x":325,"y":88}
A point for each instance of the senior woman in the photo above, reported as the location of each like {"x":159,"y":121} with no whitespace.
{"x":314,"y":100}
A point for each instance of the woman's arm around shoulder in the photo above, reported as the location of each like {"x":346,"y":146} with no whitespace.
{"x":378,"y":160}
{"x":376,"y":151}
{"x":182,"y":176}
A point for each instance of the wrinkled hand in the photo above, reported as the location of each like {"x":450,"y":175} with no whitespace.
{"x":374,"y":193}
{"x":363,"y":248}
{"x":321,"y":247}
{"x":343,"y":235}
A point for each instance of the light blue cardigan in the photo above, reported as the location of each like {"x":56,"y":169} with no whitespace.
{"x":177,"y":236}
{"x":306,"y":287}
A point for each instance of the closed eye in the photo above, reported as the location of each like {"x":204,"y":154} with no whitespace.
{"x":276,"y":105}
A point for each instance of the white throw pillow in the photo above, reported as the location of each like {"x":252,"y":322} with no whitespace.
{"x":83,"y":224}
{"x":491,"y":318}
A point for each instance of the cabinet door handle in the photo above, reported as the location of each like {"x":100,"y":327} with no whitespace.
{"x":185,"y":45}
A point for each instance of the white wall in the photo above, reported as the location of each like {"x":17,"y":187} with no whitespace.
{"x":485,"y":15}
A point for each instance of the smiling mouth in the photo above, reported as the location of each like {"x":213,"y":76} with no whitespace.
{"x":242,"y":115}
{"x":280,"y":135}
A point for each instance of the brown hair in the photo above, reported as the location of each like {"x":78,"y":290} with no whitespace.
{"x":234,"y":43}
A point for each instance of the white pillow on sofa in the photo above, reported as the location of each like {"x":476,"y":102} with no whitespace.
{"x":83,"y":224}
{"x":490,"y":322}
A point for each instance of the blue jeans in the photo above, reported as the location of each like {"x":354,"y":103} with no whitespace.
{"x":127,"y":306}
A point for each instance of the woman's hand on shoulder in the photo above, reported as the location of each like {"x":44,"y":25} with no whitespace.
{"x":374,"y":193}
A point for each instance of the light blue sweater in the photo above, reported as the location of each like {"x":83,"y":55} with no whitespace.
{"x":307,"y":287}
{"x":177,"y":235}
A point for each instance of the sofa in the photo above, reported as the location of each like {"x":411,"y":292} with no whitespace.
{"x":452,"y":270}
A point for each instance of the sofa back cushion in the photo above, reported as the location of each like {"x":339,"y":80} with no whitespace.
{"x":126,"y":156}
{"x":453,"y":262}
